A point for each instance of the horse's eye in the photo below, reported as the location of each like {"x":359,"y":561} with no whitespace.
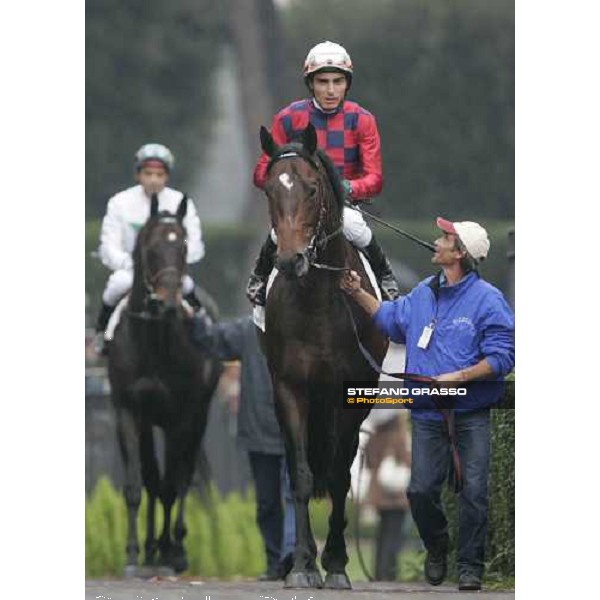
{"x":312,"y":192}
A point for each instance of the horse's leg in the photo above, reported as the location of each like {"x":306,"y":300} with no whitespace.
{"x":179,"y":560}
{"x":128,"y":436}
{"x":185,"y":472}
{"x":334,"y":557}
{"x":151,"y":478}
{"x":180,"y":456}
{"x":293,"y":408}
{"x":167,"y":498}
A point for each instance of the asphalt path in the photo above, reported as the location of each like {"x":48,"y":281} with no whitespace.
{"x":180,"y":589}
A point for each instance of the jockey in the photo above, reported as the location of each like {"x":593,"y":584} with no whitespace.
{"x":348,"y":134}
{"x":126,"y":214}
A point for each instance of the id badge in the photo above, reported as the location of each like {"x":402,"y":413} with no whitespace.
{"x":425,"y":337}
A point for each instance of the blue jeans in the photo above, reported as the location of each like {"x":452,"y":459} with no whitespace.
{"x":289,"y":516}
{"x":277,"y":525}
{"x":430,"y":466}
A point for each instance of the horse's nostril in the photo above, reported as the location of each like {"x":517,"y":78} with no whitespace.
{"x":292,"y":266}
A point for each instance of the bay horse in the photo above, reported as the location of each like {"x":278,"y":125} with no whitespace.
{"x":159,"y":378}
{"x":310,"y":345}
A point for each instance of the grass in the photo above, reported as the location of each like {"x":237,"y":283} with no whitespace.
{"x":223,"y":540}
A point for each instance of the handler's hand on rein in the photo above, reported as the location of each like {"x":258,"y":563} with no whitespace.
{"x":350,"y":282}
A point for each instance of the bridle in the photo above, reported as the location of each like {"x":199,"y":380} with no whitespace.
{"x":150,"y":280}
{"x":151,"y":300}
{"x":319,"y":239}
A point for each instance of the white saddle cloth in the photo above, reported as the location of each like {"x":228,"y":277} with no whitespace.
{"x":114,"y":319}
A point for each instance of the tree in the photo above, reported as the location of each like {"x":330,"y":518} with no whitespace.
{"x":439,"y":77}
{"x":148,"y":74}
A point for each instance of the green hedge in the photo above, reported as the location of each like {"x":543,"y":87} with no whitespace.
{"x":500,"y":540}
{"x":222,"y":541}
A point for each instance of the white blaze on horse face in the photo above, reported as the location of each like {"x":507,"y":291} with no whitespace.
{"x":172,"y":236}
{"x":284,"y":178}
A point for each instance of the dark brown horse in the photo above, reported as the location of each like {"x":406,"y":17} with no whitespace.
{"x":158,"y":378}
{"x":311,"y":347}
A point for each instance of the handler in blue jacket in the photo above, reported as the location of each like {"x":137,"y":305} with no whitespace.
{"x":457,"y":328}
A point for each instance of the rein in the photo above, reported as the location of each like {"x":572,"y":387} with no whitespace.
{"x":322,"y":243}
{"x":427,"y":245}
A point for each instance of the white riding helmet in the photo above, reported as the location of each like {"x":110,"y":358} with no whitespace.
{"x":328,"y":56}
{"x":154,"y":152}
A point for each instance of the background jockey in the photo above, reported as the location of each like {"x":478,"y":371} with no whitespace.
{"x":348,"y":134}
{"x":126,"y":214}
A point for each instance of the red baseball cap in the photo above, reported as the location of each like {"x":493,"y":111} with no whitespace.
{"x":446,"y":226}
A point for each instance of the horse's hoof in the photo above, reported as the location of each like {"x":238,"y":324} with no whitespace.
{"x":337,"y":581}
{"x":315,"y":579}
{"x":297,"y":580}
{"x":303,"y":579}
{"x":180,"y":564}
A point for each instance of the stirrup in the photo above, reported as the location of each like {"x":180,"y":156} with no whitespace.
{"x":256,"y":290}
{"x":389,"y":288}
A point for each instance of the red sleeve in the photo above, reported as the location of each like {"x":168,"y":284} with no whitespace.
{"x":279,"y":137}
{"x":370,"y":183}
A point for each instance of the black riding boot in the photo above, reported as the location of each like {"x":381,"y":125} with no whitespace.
{"x":104,"y":317}
{"x":382,"y":269}
{"x":100,"y":344}
{"x":256,"y":290}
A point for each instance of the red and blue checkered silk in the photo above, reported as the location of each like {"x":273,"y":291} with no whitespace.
{"x":349,"y":136}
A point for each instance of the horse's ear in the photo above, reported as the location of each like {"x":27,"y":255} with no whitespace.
{"x":154,"y":205}
{"x":309,"y":139}
{"x":266,"y":141}
{"x":182,"y":208}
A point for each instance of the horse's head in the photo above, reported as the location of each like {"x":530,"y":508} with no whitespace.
{"x":304,"y":202}
{"x":160,"y":256}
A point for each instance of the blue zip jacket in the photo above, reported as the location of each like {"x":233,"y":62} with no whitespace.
{"x":471,"y":321}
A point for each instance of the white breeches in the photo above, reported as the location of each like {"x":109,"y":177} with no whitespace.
{"x":120,"y":282}
{"x":356,"y":229}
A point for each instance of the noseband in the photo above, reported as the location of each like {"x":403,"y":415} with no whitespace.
{"x":150,"y":280}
